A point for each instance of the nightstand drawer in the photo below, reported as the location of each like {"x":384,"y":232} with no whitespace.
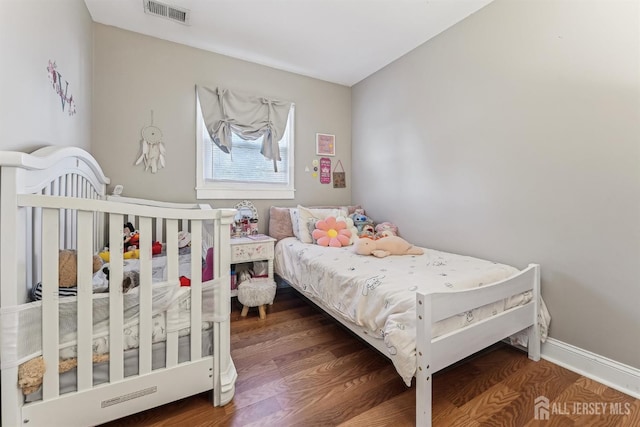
{"x":255,"y":251}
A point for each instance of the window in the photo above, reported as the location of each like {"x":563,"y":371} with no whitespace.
{"x":244,"y":173}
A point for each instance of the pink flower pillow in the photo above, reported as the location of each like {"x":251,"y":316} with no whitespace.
{"x":330,"y":232}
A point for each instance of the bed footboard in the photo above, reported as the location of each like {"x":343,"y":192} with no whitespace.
{"x":434,"y":354}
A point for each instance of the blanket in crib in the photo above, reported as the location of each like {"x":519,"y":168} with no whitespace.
{"x":100,"y":280}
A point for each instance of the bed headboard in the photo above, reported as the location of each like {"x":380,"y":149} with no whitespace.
{"x":54,"y":171}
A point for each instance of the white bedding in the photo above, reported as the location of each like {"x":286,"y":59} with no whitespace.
{"x":378,"y":294}
{"x":163,"y":300}
{"x":165,"y":296}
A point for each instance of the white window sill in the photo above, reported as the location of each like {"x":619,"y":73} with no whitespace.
{"x":235,"y":193}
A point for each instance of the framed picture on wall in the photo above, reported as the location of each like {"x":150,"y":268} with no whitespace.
{"x":325,"y":144}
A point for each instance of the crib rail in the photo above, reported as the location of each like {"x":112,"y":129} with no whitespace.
{"x":78,"y":223}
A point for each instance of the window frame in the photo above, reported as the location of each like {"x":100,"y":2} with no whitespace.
{"x":208,"y":189}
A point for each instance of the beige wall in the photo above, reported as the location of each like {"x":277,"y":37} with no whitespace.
{"x":31,"y":34}
{"x":514,"y":136}
{"x":135,"y":74}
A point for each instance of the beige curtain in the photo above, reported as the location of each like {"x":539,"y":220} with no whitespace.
{"x":250,"y":117}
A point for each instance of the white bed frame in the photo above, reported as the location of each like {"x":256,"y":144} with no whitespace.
{"x":434,"y":354}
{"x":55,"y":198}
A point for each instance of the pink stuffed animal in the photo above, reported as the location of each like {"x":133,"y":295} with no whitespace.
{"x":385,"y":229}
{"x":385,"y":246}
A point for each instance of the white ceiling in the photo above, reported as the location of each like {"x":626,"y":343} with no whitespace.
{"x":341,"y":41}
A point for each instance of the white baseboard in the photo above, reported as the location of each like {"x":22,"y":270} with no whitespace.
{"x":613,"y":374}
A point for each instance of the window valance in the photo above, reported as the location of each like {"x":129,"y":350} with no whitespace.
{"x":225,"y":111}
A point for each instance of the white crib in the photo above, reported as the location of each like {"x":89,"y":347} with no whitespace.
{"x":55,"y":198}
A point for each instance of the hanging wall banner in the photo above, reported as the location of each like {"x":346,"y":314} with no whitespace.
{"x":325,"y":170}
{"x":339,"y":179}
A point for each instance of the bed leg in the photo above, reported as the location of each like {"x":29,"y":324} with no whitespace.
{"x":424,"y":377}
{"x":534,"y":330}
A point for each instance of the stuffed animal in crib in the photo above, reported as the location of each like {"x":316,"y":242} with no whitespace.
{"x":392,"y":245}
{"x":30,"y":373}
{"x":386,"y":229}
{"x":130,"y":279}
{"x":68,"y":267}
{"x":132,"y":254}
{"x":131,"y":237}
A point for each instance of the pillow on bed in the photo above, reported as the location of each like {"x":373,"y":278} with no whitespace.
{"x":287,"y":220}
{"x":306,"y":214}
{"x":350,"y":209}
{"x":280,"y":225}
{"x":331,"y":232}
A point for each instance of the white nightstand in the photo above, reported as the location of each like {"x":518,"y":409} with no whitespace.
{"x":246,"y":249}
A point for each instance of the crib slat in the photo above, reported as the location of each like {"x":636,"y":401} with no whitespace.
{"x":37,"y":244}
{"x":172,"y":250}
{"x":159,"y":236}
{"x":77,"y":183}
{"x":145,"y":290}
{"x":69,"y":243}
{"x":50,"y":245}
{"x":172,"y":277}
{"x":196,"y":290}
{"x":58,"y":189}
{"x":116,"y":305}
{"x":31,"y":271}
{"x":85,"y":301}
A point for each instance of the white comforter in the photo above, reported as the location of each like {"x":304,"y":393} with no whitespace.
{"x":378,"y":294}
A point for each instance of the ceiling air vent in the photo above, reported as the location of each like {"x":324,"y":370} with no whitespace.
{"x":173,"y":13}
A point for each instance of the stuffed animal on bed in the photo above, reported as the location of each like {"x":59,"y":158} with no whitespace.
{"x":386,"y":229}
{"x":392,"y":245}
{"x":360,"y":220}
{"x":68,"y":267}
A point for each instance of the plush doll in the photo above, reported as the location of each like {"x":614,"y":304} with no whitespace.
{"x":184,"y":239}
{"x":392,"y":245}
{"x":131,"y":237}
{"x":360,"y":221}
{"x":68,"y":267}
{"x":368,"y":231}
{"x":131,"y":254}
{"x":30,"y":373}
{"x":130,"y":279}
{"x":105,"y":255}
{"x":350,"y":226}
{"x":385,"y":229}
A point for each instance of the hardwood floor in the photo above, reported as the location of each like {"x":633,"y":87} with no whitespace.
{"x":300,"y":368}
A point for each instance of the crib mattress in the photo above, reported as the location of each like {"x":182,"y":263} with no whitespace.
{"x":378,"y":294}
{"x":68,"y":380}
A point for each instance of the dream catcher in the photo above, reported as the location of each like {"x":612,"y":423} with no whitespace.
{"x":152,"y":148}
